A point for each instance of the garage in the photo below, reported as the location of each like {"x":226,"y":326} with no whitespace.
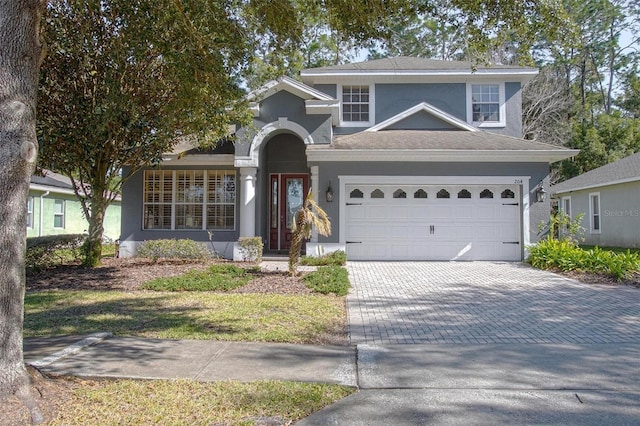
{"x":397,"y":221}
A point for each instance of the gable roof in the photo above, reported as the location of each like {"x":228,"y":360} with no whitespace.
{"x":316,"y":102}
{"x":436,"y":145}
{"x":621,"y":171}
{"x":429,"y":109}
{"x":410,"y":66}
{"x":290,"y":85}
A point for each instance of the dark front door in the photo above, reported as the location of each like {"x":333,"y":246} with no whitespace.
{"x":287,"y":193}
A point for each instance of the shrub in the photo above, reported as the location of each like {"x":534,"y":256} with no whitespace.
{"x":338,"y":257}
{"x":215,"y":278}
{"x":329,"y":279}
{"x":173,"y":249}
{"x":250,"y":248}
{"x":565,"y":255}
{"x":51,"y":250}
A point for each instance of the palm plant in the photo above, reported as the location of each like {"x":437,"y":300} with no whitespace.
{"x":310,"y":216}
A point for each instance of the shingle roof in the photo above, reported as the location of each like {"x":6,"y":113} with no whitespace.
{"x":626,"y":169}
{"x":437,"y":140}
{"x":52,"y":179}
{"x":406,"y":63}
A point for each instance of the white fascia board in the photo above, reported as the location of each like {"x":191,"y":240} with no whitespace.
{"x":428,"y":108}
{"x":290,"y":85}
{"x":597,"y":185}
{"x":412,"y":155}
{"x":52,"y":189}
{"x":200,"y":160}
{"x":417,"y":76}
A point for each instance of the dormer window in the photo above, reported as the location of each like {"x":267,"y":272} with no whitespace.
{"x":486,"y":104}
{"x":357,"y":105}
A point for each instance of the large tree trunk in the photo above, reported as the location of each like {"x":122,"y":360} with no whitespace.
{"x":19,"y":63}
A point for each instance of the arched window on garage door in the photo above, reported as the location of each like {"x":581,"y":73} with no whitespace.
{"x":486,"y":194}
{"x":376,"y":193}
{"x":443,"y":193}
{"x":507,"y":193}
{"x":420,"y":193}
{"x":464,"y":194}
{"x":356,"y":193}
{"x":399,"y":194}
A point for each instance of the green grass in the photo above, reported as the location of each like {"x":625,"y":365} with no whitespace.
{"x":329,"y":279}
{"x":188,"y":315}
{"x":216,"y":278}
{"x":184,"y":402}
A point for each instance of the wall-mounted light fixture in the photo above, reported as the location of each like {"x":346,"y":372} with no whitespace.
{"x":329,"y":193}
{"x":541,"y":194}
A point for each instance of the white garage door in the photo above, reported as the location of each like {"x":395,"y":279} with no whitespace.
{"x":422,"y":222}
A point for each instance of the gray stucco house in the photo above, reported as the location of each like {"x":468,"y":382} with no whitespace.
{"x":609,"y":199}
{"x":411,"y":158}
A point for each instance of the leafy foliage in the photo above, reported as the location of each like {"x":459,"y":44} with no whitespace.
{"x":565,"y":255}
{"x":309,"y":217}
{"x":216,"y":278}
{"x":329,"y":279}
{"x":251,"y":248}
{"x":173,"y":249}
{"x":51,"y":250}
{"x":338,"y":257}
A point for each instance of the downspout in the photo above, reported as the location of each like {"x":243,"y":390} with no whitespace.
{"x":41,"y":212}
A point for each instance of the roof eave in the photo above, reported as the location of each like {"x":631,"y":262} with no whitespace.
{"x":594,"y":186}
{"x":441,"y":155}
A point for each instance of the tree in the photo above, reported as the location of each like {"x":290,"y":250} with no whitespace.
{"x":546,"y":108}
{"x":116,"y":92}
{"x":20,"y":54}
{"x":309,"y":217}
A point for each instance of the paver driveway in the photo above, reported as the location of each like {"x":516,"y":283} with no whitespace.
{"x":484,"y":302}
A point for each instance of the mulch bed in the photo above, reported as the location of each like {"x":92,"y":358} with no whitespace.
{"x":130,"y":274}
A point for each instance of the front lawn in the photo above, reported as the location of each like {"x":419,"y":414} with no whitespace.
{"x":309,"y":319}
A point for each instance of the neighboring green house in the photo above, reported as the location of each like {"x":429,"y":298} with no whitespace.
{"x":608,"y":199}
{"x":53,"y":208}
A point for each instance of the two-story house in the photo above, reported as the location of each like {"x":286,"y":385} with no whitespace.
{"x":412,"y":158}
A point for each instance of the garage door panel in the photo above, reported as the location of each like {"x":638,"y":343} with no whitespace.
{"x":434,"y":229}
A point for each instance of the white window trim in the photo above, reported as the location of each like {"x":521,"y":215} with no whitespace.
{"x":30,"y":215}
{"x":592,"y":213}
{"x":564,"y":210}
{"x":372,"y":106}
{"x":502,"y":100}
{"x":63,"y":214}
{"x":205,"y":203}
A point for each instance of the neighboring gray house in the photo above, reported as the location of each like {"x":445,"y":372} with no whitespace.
{"x":411,"y":158}
{"x":609,"y":198}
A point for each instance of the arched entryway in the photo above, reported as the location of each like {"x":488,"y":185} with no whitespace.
{"x":287,"y":175}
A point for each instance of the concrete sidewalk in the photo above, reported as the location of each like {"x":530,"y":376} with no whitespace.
{"x":129,"y":357}
{"x":398,"y":384}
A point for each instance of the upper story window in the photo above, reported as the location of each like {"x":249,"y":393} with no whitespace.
{"x":357,"y":105}
{"x":486,"y":104}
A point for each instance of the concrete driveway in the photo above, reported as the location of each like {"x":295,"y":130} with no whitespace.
{"x":485,"y":343}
